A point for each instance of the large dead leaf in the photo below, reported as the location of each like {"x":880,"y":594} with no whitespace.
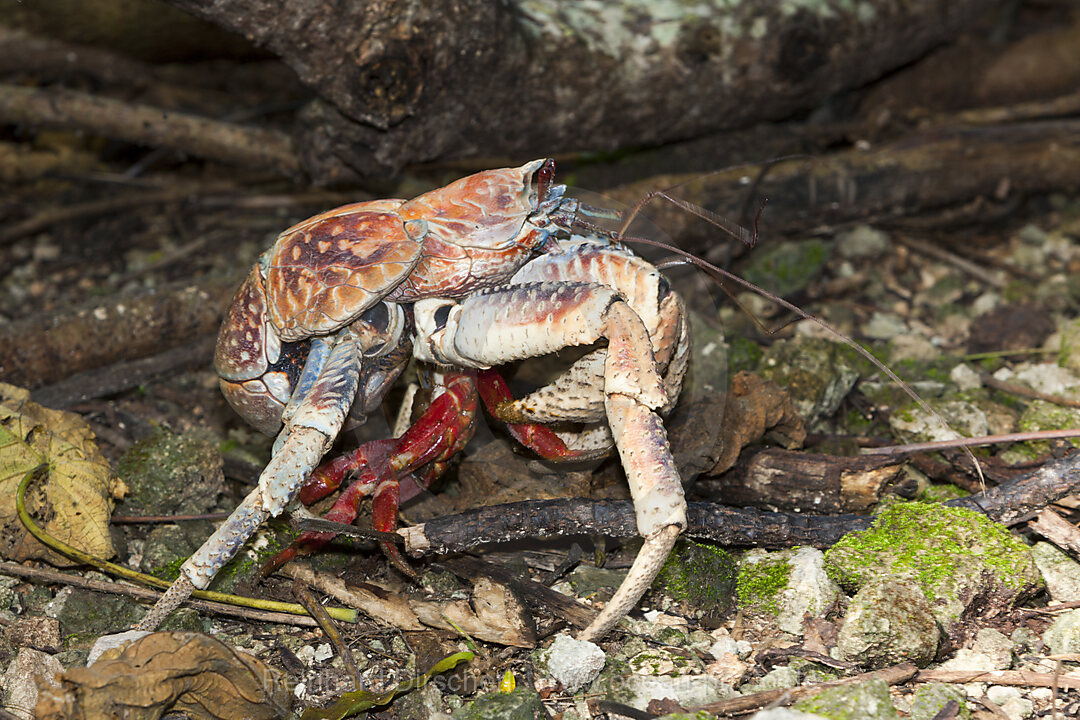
{"x":162,"y":672}
{"x":74,"y":501}
{"x":756,"y":407}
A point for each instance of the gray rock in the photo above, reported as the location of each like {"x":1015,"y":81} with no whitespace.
{"x":1010,"y":700}
{"x":1063,"y":636}
{"x":930,"y":698}
{"x":687,"y":690}
{"x":817,"y":373}
{"x":779,"y":678}
{"x":116,"y":640}
{"x":573,"y":663}
{"x":700,"y":576}
{"x":1060,"y":572}
{"x":36,"y":631}
{"x":889,"y":621}
{"x":868,"y":700}
{"x":20,"y":686}
{"x":804,"y":588}
{"x":991,"y":650}
{"x":860,"y":242}
{"x":86,"y":615}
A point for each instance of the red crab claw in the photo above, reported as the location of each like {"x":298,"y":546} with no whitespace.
{"x":541,"y":439}
{"x":418,"y":457}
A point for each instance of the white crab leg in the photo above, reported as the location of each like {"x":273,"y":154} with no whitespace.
{"x":522,"y":321}
{"x":314,"y":424}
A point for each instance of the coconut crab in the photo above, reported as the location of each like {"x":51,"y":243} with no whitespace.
{"x":476,"y":274}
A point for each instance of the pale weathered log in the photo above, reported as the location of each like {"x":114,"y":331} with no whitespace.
{"x":406,"y":81}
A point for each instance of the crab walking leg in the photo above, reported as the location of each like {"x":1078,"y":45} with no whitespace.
{"x":308,"y":434}
{"x":528,"y":320}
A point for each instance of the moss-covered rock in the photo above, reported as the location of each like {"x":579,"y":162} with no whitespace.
{"x":817,"y":373}
{"x":868,"y":700}
{"x":170,"y":474}
{"x":522,"y":704}
{"x":85,"y":615}
{"x":701,"y":577}
{"x":788,"y":584}
{"x":931,"y":698}
{"x":959,"y":558}
{"x":789,"y":266}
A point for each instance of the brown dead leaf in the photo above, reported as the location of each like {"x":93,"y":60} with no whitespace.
{"x":76,"y":500}
{"x":162,"y":672}
{"x":756,"y":407}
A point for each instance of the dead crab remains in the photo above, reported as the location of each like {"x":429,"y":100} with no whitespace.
{"x":487,"y":270}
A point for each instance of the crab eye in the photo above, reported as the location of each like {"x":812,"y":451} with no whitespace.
{"x":544,"y":176}
{"x":441,"y":316}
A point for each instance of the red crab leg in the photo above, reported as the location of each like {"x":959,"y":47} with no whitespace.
{"x":538,"y":438}
{"x":443,"y":429}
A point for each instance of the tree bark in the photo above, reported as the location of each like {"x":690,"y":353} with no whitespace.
{"x":405,"y":81}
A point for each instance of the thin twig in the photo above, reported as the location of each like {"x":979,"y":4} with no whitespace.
{"x":963,"y":264}
{"x":138,"y":593}
{"x":54,"y":216}
{"x":747,"y":703}
{"x":1024,"y":391}
{"x":330,"y":630}
{"x":973,"y":442}
{"x":1022,"y":678}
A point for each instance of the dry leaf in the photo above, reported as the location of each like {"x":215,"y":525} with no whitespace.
{"x":75,"y":501}
{"x":162,"y":672}
{"x":756,"y":407}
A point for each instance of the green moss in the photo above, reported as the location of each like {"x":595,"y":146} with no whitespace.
{"x":939,"y":493}
{"x":925,"y":542}
{"x":760,"y":582}
{"x":744,"y":354}
{"x":702,"y":576}
{"x":789,"y":266}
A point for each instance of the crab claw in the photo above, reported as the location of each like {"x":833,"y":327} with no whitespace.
{"x":529,"y":320}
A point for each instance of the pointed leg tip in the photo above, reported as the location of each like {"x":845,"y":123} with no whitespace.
{"x":646,"y":566}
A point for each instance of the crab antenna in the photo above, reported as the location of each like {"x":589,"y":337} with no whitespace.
{"x":723,"y":275}
{"x":733,"y":229}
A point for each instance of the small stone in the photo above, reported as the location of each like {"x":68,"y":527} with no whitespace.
{"x":35,"y":631}
{"x":990,"y":651}
{"x":573,"y":663}
{"x":964,"y":377}
{"x":1032,"y":234}
{"x":638,"y":690}
{"x":861,"y":242}
{"x":789,"y":584}
{"x":108,"y":642}
{"x":889,"y":621}
{"x":884,"y":326}
{"x":522,"y":704}
{"x":1010,"y":700}
{"x":931,"y":698}
{"x":728,"y":668}
{"x":1063,"y":636}
{"x":779,"y":678}
{"x":323,"y":653}
{"x":723,"y":646}
{"x":782,"y":713}
{"x":20,"y":680}
{"x":1061,"y":572}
